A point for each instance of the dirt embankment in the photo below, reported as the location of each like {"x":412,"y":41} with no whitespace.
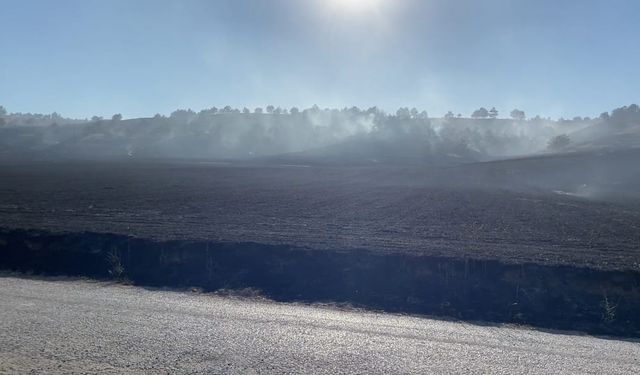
{"x":559,"y":297}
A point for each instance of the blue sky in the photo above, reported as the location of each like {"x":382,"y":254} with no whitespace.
{"x":553,"y":58}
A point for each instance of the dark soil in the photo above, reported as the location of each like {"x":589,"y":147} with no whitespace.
{"x":386,"y":210}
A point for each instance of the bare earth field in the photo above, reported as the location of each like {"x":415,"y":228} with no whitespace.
{"x":409,"y":210}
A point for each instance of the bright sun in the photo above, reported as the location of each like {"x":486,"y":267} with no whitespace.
{"x":355,"y":5}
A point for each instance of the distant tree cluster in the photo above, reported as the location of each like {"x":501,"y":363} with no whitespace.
{"x":480,"y":113}
{"x":483,"y":113}
{"x":559,"y":142}
{"x":3,"y":112}
{"x":623,"y":115}
{"x":627,"y":115}
{"x":517,"y":114}
{"x":33,"y":119}
{"x":231,"y":132}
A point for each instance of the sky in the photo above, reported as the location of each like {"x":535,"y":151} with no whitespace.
{"x":140,"y":57}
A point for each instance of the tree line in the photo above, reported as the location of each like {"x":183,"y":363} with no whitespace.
{"x":620,"y":115}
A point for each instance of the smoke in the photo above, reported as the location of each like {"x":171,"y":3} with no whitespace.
{"x":228,"y":133}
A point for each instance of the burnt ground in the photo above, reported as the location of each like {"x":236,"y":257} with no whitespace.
{"x":489,"y":242}
{"x":454,"y":212}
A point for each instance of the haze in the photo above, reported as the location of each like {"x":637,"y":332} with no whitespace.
{"x":325,"y":168}
{"x":548,"y":58}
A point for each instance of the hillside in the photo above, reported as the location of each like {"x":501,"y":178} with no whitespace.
{"x":347,"y":135}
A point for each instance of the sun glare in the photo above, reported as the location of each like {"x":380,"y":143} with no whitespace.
{"x":355,"y":5}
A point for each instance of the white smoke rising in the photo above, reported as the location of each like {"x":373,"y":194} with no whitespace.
{"x":231,"y":133}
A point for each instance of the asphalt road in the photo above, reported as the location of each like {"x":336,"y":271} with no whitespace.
{"x":61,"y":326}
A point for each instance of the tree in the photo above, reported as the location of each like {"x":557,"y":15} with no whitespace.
{"x":493,"y":113}
{"x":246,"y":111}
{"x":373,"y":111}
{"x":403,"y":113}
{"x":627,"y":115}
{"x":480,"y":113}
{"x":449,"y":115}
{"x":604,"y":116}
{"x":96,"y":118}
{"x":3,"y":112}
{"x":117,"y":117}
{"x":294,"y":111}
{"x":208,"y":112}
{"x":314,"y":109}
{"x":270,"y":109}
{"x":182,"y":116}
{"x":558,"y":142}
{"x":517,"y":114}
{"x":258,"y":111}
{"x":354,"y":110}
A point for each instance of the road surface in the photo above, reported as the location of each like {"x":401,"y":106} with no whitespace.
{"x":64,"y":326}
